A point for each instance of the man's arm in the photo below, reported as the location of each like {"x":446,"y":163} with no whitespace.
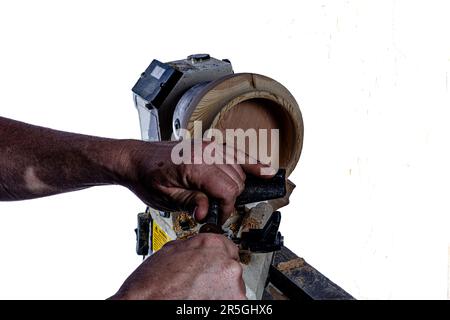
{"x":37,"y":162}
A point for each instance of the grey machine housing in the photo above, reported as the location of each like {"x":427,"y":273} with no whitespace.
{"x":161,"y":86}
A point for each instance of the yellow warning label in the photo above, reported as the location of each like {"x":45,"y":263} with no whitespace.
{"x":159,"y":237}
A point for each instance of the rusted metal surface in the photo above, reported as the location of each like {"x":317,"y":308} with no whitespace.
{"x":298,"y":280}
{"x":272,"y":293}
{"x":291,"y":265}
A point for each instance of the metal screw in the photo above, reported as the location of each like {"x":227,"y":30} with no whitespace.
{"x":177,"y":124}
{"x":198,"y":57}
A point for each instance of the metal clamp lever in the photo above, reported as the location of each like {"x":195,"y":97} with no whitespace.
{"x":267,"y":239}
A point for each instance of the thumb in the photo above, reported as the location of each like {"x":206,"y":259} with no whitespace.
{"x":194,"y":201}
{"x":200,"y":203}
{"x":259,"y":170}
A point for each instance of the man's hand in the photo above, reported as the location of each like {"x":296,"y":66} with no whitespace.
{"x":37,"y":162}
{"x":203,"y":267}
{"x":155,"y":179}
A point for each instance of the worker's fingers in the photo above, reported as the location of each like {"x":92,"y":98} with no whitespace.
{"x":201,"y":202}
{"x":233,"y":174}
{"x":227,"y":210}
{"x":171,"y":244}
{"x":202,"y":240}
{"x":215,"y":241}
{"x":238,"y":170}
{"x":232,"y":249}
{"x":224,"y":158}
{"x":220,"y":185}
{"x":256,"y":168}
{"x":194,"y":201}
{"x":259,"y":170}
{"x":250,"y":164}
{"x":231,"y":159}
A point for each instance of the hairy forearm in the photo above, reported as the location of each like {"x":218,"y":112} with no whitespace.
{"x":37,"y":162}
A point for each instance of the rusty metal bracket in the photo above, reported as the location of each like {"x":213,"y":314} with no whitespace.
{"x":291,"y":277}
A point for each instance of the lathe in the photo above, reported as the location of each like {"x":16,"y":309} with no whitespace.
{"x":171,"y":98}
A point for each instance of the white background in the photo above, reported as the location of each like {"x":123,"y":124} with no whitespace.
{"x":371,"y":208}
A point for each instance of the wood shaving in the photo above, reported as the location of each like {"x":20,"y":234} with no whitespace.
{"x":184,"y":217}
{"x":250,"y":223}
{"x":291,"y":264}
{"x":234,"y":227}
